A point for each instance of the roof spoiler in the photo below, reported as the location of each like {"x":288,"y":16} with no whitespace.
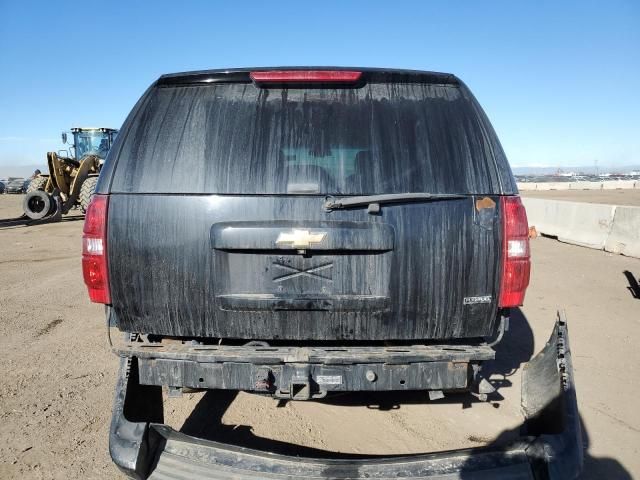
{"x":369,"y":75}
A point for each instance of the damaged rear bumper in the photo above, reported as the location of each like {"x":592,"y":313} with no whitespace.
{"x":304,"y":373}
{"x":551,"y":447}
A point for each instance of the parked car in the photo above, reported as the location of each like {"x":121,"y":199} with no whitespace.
{"x":2,"y":187}
{"x":303,"y":232}
{"x":16,"y":185}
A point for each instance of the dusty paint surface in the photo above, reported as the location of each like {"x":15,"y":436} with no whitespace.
{"x":194,"y":158}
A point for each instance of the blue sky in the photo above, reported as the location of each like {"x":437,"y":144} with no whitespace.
{"x":559,"y":80}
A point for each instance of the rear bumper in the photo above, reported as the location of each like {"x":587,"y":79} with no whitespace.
{"x":301,"y":373}
{"x":551,"y":448}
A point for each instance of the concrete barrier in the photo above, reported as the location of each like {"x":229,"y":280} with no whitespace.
{"x":581,"y":185}
{"x":619,"y":184}
{"x":585,"y":224}
{"x":604,"y":227}
{"x":544,"y":186}
{"x":585,"y":185}
{"x":625,"y":232}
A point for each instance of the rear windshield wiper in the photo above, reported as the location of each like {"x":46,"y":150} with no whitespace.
{"x":374,"y":201}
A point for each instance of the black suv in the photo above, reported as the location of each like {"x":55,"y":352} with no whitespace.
{"x":297,"y":232}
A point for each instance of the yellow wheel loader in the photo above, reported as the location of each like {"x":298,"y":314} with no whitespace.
{"x":72,"y":179}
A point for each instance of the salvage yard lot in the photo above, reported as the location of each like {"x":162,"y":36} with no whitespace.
{"x":58,"y":373}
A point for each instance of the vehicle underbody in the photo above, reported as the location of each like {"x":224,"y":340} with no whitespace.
{"x":550,"y":446}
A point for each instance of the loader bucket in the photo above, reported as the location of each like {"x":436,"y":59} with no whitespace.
{"x":551,"y":447}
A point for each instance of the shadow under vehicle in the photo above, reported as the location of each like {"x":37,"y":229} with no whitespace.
{"x":314,"y":231}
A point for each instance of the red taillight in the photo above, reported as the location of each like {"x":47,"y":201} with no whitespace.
{"x":306,"y":76}
{"x":94,"y":250}
{"x":516,"y":260}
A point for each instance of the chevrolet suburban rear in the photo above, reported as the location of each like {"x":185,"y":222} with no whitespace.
{"x":299,"y":232}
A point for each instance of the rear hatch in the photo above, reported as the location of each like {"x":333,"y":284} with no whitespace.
{"x":229,"y":210}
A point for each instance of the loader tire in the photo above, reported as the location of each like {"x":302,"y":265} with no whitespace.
{"x":38,"y":204}
{"x":87,"y":190}
{"x":37,"y":183}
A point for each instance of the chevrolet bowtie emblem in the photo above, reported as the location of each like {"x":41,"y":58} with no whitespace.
{"x":299,"y":239}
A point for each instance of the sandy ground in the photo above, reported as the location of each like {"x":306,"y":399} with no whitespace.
{"x":613,"y":197}
{"x":58,"y":374}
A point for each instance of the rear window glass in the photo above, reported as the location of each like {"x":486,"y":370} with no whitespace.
{"x":240,"y":139}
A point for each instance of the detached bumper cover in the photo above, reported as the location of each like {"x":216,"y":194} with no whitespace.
{"x":551,"y":448}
